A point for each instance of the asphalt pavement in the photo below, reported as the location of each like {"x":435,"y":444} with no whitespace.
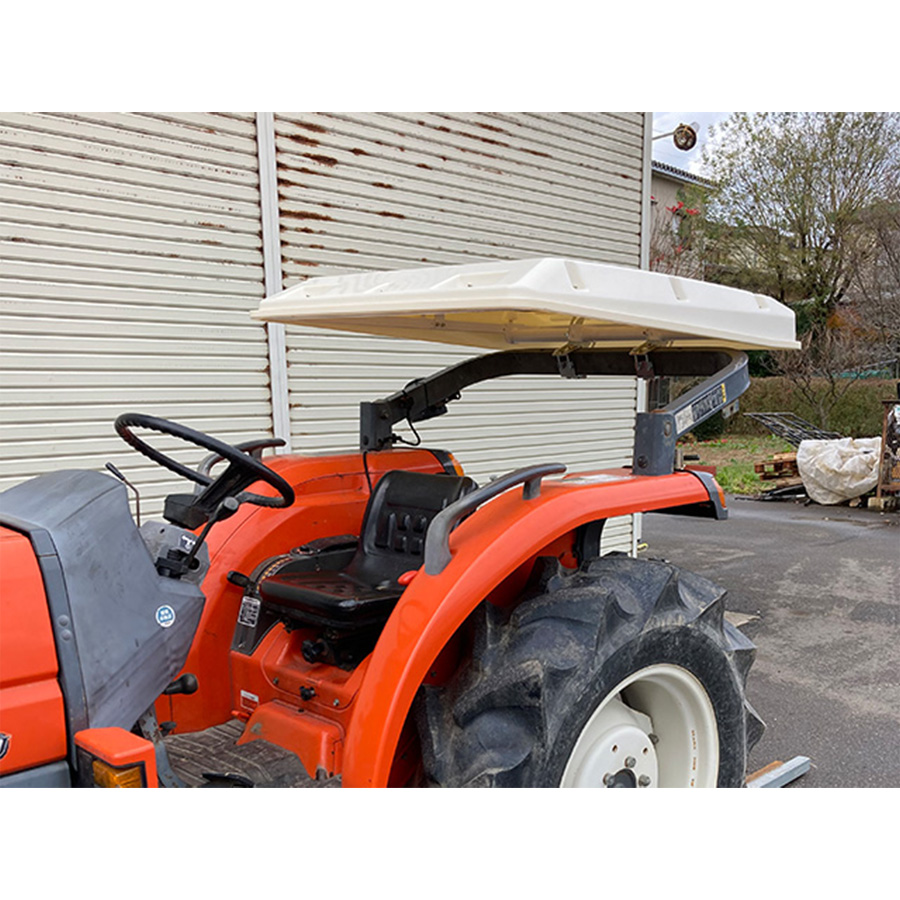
{"x":817,"y":589}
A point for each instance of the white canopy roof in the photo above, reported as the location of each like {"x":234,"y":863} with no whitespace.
{"x":537,"y":303}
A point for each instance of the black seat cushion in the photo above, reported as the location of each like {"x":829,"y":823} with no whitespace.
{"x":392,"y":541}
{"x":329,"y":599}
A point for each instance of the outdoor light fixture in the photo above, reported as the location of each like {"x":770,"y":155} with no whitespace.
{"x":684,"y":136}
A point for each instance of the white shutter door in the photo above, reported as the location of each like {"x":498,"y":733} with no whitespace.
{"x":130,"y":257}
{"x":390,"y":190}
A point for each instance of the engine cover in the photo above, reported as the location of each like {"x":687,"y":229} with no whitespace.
{"x":122,"y":631}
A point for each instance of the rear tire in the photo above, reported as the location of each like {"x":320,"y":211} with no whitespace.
{"x":622,"y":674}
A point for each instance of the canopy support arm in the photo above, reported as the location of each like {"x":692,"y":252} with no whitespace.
{"x":427,"y":397}
{"x":656,"y":433}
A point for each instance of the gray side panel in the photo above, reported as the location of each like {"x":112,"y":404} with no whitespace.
{"x":56,"y":775}
{"x":114,"y":592}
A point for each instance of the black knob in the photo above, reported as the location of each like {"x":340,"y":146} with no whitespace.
{"x":187,"y":684}
{"x":238,"y":578}
{"x":313,"y":650}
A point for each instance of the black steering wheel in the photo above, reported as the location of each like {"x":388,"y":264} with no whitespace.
{"x":243,"y":469}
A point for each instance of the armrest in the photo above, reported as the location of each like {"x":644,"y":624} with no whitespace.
{"x":437,"y":540}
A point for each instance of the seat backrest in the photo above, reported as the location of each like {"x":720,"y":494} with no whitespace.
{"x":392,"y":539}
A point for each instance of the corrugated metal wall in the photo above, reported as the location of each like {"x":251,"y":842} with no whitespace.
{"x":131,"y":254}
{"x":130,"y":257}
{"x":392,"y":190}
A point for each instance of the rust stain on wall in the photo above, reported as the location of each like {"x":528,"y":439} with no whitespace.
{"x":302,"y":139}
{"x":484,"y":140}
{"x":470,"y":136}
{"x":492,"y":128}
{"x":306,"y":215}
{"x":324,"y":160}
{"x":310,"y":127}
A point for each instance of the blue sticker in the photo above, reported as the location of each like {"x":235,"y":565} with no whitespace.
{"x":165,"y":616}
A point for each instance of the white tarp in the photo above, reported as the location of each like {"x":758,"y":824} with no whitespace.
{"x":838,"y":470}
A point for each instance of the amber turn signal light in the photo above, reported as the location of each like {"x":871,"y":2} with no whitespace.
{"x":108,"y":776}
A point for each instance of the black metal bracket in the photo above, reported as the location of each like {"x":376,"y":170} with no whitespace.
{"x":643,"y":367}
{"x":151,"y":731}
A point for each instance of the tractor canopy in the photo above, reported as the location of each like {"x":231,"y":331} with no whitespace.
{"x":538,"y":304}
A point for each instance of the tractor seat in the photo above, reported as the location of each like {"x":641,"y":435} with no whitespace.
{"x":392,"y":541}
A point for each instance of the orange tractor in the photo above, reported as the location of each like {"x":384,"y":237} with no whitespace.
{"x":377,"y":618}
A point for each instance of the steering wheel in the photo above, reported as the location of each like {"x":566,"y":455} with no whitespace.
{"x":243,"y":469}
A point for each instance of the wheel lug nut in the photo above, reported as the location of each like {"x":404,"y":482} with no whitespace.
{"x":654,"y":739}
{"x":608,"y":778}
{"x":629,"y":762}
{"x":644,"y":780}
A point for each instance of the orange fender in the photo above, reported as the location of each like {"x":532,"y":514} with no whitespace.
{"x":487,"y":548}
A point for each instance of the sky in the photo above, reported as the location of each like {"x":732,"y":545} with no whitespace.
{"x":664,"y":149}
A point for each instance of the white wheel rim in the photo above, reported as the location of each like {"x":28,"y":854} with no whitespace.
{"x":657,"y":728}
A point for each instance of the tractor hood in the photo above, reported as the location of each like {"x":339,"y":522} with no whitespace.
{"x":537,"y":303}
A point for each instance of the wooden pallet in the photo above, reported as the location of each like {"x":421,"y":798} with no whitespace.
{"x":778,"y":483}
{"x":781,"y":465}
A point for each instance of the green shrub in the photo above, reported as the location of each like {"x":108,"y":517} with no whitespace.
{"x":713,"y":427}
{"x":858,"y":413}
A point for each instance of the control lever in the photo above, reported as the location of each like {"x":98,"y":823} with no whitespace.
{"x":227,"y":508}
{"x":177,"y":563}
{"x":137,"y":496}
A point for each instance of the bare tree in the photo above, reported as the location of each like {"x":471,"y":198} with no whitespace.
{"x":793,"y":190}
{"x":830,"y":361}
{"x":876,"y":288}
